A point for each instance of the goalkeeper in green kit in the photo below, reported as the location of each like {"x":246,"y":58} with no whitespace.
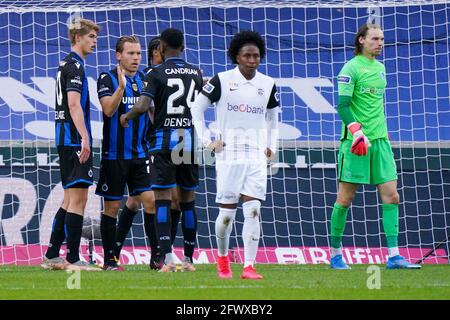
{"x":365,"y":153}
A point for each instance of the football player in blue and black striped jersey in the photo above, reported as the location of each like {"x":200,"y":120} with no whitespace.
{"x":73,"y":140}
{"x":125,"y":158}
{"x":172,"y":87}
{"x":133,"y":204}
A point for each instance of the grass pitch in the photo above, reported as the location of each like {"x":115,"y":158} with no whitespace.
{"x":287,"y":282}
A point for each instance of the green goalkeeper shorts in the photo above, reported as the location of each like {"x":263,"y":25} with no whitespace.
{"x":377,"y":167}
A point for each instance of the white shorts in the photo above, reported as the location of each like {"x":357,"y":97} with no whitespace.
{"x":234,"y":179}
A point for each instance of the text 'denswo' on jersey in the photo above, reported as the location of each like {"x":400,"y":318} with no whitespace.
{"x":173,"y":86}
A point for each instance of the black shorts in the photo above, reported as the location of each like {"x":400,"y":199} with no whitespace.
{"x":168,"y":174}
{"x":115,"y":174}
{"x":73,"y":173}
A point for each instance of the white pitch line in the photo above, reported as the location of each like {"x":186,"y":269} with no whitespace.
{"x":153,"y":287}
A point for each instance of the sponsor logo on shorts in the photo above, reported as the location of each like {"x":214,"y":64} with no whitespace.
{"x":227,"y":196}
{"x":350,"y":175}
{"x":90,"y":173}
{"x":105,"y":187}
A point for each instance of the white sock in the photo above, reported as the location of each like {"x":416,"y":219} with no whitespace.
{"x":224,"y":226}
{"x":392,"y":252}
{"x":335,"y":252}
{"x":251,"y":230}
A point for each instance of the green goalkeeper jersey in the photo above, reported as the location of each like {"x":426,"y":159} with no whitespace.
{"x":364,"y":80}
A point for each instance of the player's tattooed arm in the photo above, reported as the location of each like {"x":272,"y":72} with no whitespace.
{"x":142,"y":105}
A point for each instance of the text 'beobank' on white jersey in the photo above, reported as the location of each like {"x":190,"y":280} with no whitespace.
{"x":241,"y":112}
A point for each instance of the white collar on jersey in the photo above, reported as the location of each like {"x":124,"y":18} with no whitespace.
{"x":240,"y":79}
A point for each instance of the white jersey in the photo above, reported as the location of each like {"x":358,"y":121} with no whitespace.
{"x":241,"y":107}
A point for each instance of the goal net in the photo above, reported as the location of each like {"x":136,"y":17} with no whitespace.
{"x":307,"y":44}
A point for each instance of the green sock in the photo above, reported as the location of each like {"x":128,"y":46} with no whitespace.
{"x":390,"y":223}
{"x":338,"y":220}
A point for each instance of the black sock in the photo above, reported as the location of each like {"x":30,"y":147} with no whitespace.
{"x":58,"y":235}
{"x":163,"y":223}
{"x":150,"y":231}
{"x":108,"y":232}
{"x":175,"y":215}
{"x":123,"y":227}
{"x":189,"y":227}
{"x":74,"y":225}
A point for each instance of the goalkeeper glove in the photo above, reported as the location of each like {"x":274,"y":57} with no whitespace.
{"x":360,"y":142}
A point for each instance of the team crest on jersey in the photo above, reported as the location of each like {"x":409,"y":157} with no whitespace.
{"x":344,"y":79}
{"x":261,"y":92}
{"x":382,"y":75}
{"x":208,"y":88}
{"x":134,"y":86}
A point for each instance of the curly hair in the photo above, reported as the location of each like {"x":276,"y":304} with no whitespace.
{"x":243,"y":38}
{"x":152,"y":45}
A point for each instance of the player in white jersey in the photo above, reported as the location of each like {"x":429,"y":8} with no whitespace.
{"x":246,"y":135}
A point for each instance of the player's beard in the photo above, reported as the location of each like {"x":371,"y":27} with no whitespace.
{"x":377,"y":52}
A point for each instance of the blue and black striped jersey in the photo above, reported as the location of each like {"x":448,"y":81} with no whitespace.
{"x":71,"y":77}
{"x":119,"y":142}
{"x":173,"y":86}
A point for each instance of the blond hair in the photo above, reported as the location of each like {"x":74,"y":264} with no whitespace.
{"x":81,"y":27}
